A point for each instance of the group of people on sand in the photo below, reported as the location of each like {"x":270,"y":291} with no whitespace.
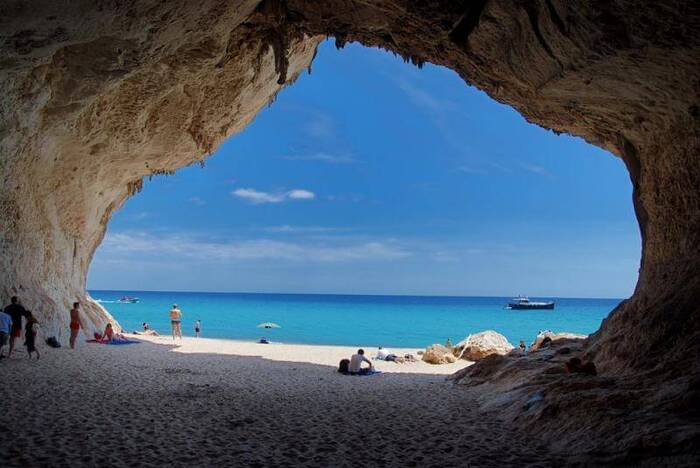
{"x":11,"y":327}
{"x":353,"y":366}
{"x":12,"y":315}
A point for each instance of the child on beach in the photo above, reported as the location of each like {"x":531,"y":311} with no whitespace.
{"x":30,"y":330}
{"x":197,"y":328}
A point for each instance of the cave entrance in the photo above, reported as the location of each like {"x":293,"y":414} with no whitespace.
{"x":375,"y":177}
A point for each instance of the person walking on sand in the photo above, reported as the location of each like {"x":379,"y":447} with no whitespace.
{"x":175,"y":319}
{"x":30,"y":335}
{"x":5,"y":327}
{"x":16,"y":312}
{"x":197,"y":328}
{"x":74,"y":323}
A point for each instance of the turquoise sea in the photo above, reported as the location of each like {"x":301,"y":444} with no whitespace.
{"x":400,"y":321}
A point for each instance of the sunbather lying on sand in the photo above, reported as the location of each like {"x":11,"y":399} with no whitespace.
{"x":146,"y":330}
{"x":386,"y":355}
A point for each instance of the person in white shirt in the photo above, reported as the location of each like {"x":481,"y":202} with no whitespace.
{"x":355,"y":367}
{"x":5,"y":325}
{"x":387,"y":355}
{"x":383,"y":353}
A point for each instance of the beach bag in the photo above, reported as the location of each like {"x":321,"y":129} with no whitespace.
{"x":53,"y":342}
{"x":344,"y":366}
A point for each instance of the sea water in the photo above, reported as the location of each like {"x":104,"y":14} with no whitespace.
{"x":400,"y":321}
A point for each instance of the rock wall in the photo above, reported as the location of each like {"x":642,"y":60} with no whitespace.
{"x":98,"y":95}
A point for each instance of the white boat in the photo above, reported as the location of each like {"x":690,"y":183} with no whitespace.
{"x":128,"y":300}
{"x":524,"y":303}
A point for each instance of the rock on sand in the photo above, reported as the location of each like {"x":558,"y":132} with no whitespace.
{"x":482,"y":344}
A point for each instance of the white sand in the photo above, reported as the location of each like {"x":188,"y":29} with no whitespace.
{"x":225,"y":403}
{"x":312,"y":354}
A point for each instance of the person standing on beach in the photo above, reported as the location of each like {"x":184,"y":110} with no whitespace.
{"x":175,"y":319}
{"x":30,"y":335}
{"x":5,"y":327}
{"x":197,"y":328}
{"x":16,"y":312}
{"x":74,"y":323}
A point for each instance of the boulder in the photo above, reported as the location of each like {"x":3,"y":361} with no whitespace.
{"x":480,"y":345}
{"x":438,"y":354}
{"x":545,"y":337}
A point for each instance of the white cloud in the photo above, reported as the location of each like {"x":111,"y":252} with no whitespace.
{"x":258,"y":197}
{"x":197,"y":201}
{"x":299,"y":194}
{"x":323,"y":157}
{"x":187,"y":248}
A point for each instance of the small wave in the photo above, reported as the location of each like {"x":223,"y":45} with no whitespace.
{"x":105,"y":302}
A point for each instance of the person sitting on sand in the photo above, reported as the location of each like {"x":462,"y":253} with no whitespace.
{"x":108,"y":334}
{"x":30,"y":335}
{"x":175,"y":319}
{"x":355,"y":367}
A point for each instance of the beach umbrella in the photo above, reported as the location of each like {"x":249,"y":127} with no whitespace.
{"x":268,"y":325}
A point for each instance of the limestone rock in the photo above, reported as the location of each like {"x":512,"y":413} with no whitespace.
{"x":482,"y":344}
{"x":548,"y":336}
{"x":438,"y":354}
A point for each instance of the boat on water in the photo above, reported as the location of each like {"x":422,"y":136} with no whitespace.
{"x":128,"y":300}
{"x":524,"y":303}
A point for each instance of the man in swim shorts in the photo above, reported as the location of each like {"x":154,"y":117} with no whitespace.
{"x":74,"y":323}
{"x":175,"y":319}
{"x":16,"y":311}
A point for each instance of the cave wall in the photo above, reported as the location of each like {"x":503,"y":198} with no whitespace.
{"x":99,"y":95}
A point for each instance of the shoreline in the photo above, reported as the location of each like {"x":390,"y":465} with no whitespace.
{"x":325,"y":355}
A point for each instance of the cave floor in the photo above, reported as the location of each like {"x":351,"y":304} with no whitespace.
{"x":145,"y":405}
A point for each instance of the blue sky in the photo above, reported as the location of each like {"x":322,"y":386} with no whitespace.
{"x":373,"y":176}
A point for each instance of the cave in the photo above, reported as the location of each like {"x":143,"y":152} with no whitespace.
{"x":99,"y":95}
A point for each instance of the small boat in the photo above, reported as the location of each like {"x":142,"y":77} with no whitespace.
{"x":128,"y":300}
{"x":524,"y":303}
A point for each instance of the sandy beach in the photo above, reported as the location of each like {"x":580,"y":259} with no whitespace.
{"x":229,"y":403}
{"x":302,"y":353}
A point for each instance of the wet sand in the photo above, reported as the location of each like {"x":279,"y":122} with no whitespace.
{"x":230,"y":403}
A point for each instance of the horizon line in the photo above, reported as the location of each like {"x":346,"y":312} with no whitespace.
{"x":348,"y":294}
